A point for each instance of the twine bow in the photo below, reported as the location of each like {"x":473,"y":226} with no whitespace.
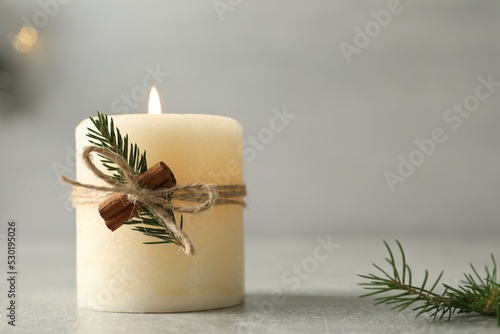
{"x":158,"y":200}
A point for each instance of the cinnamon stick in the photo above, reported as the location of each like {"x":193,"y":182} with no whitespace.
{"x":117,"y":209}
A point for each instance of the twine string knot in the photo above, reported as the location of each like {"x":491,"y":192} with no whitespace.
{"x":158,"y":201}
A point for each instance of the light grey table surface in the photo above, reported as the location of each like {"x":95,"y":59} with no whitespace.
{"x":325,"y":300}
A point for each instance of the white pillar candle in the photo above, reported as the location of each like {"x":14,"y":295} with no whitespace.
{"x":117,"y":272}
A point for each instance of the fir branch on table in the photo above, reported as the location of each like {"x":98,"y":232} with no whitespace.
{"x":475,"y":293}
{"x":108,"y":136}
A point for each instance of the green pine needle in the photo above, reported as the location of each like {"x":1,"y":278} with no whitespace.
{"x":105,"y":134}
{"x":147,"y":223}
{"x":476,"y":294}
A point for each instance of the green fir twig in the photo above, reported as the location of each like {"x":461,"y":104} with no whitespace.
{"x":148,"y":224}
{"x":475,"y":294}
{"x":105,"y":134}
{"x":108,"y":136}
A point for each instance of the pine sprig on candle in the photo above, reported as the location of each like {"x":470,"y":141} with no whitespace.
{"x":146,"y":223}
{"x":476,"y":294}
{"x":108,"y":136}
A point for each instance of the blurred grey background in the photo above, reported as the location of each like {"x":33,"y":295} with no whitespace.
{"x":355,"y":112}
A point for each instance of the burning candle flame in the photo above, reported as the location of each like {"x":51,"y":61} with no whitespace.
{"x":154,"y":102}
